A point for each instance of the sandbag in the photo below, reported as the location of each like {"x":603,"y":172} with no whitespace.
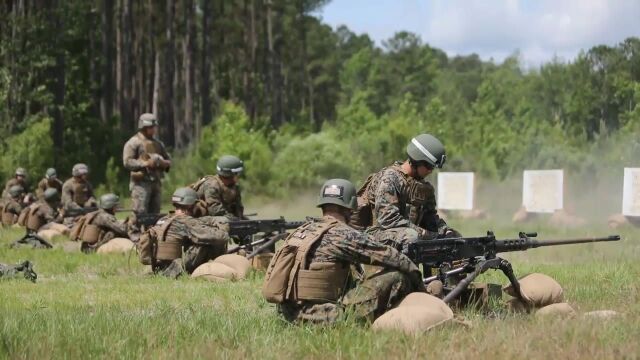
{"x":70,"y":246}
{"x":48,"y":234}
{"x":239,"y":264}
{"x":411,"y":319}
{"x":214,"y":272}
{"x":562,"y":219}
{"x":116,"y":246}
{"x":426,"y":301}
{"x":539,"y":290}
{"x":601,"y":314}
{"x":560,"y":310}
{"x":58,"y":227}
{"x":261,"y":261}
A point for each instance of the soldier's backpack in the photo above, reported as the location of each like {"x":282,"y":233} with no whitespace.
{"x":84,"y":230}
{"x":280,"y":281}
{"x":24,"y":214}
{"x":362,"y":216}
{"x":148,"y":243}
{"x":200,"y":207}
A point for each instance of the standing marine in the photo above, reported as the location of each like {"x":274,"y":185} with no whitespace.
{"x":220,"y":194}
{"x":310,"y":278}
{"x":396,"y":205}
{"x":147,"y":161}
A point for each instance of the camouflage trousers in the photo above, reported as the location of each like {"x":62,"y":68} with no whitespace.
{"x":146,"y":197}
{"x":395,"y":237}
{"x":192,"y":257}
{"x":364,"y":302}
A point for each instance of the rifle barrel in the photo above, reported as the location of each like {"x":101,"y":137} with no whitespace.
{"x":576,"y":241}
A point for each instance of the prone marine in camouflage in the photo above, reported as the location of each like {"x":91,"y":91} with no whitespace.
{"x":220,"y":194}
{"x":13,"y":206}
{"x":101,"y":226}
{"x":26,"y":268}
{"x":185,"y":242}
{"x":50,"y":180}
{"x":77,"y":192}
{"x":396,"y":205}
{"x":20,"y":178}
{"x":147,"y":160}
{"x":324,"y":287}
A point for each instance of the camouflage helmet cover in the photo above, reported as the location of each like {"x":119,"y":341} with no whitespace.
{"x":427,"y":148}
{"x":51,"y":194}
{"x":147,"y":120}
{"x":21,"y":172}
{"x":229,"y":165}
{"x":338,"y":192}
{"x":51,"y":173}
{"x":109,"y":201}
{"x":79,"y":169}
{"x":184,"y":196}
{"x":15,"y":191}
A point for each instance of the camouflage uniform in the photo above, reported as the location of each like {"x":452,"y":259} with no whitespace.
{"x":46,"y":213}
{"x":145,"y":184}
{"x":365,"y":299}
{"x":220,"y":199}
{"x":45,"y":184}
{"x":11,"y":207}
{"x":200,"y":239}
{"x":12,"y":182}
{"x":77,"y":194}
{"x":403,"y":208}
{"x":10,"y":271}
{"x":110,"y":228}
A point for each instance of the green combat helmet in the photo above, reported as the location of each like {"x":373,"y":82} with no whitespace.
{"x":21,"y":172}
{"x":184,"y":196}
{"x":51,"y":194}
{"x":147,"y":120}
{"x":15,"y":191}
{"x":229,"y":165}
{"x":79,"y":169}
{"x":338,"y":192}
{"x":109,"y":201}
{"x":51,"y":173}
{"x":427,"y":148}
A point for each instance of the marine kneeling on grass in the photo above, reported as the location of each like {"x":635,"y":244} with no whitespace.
{"x":12,"y":207}
{"x":310,"y":277}
{"x":42,"y":215}
{"x":99,"y":227}
{"x":179,"y":243}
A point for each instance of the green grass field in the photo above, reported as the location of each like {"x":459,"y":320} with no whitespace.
{"x":92,"y":306}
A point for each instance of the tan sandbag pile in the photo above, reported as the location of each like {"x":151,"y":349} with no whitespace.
{"x":560,"y":310}
{"x":563,"y":219}
{"x":240,"y":265}
{"x":417,"y":313}
{"x":62,"y":229}
{"x":214,"y":272}
{"x":601,"y":314}
{"x":475,"y":214}
{"x":49,"y":234}
{"x":538,"y":290}
{"x":261,"y":262}
{"x":116,"y":246}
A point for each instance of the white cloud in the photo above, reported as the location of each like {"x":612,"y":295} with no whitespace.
{"x":539,"y":29}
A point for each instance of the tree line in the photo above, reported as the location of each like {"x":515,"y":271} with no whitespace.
{"x":268,"y":80}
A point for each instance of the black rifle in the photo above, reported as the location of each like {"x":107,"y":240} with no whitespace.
{"x":269,"y":231}
{"x":148,"y":219}
{"x":32,"y":239}
{"x":477,"y":255}
{"x":84,"y":211}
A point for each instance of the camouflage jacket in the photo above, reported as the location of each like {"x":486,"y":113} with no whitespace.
{"x":77,"y":194}
{"x":47,"y":212}
{"x":108,"y":223}
{"x":193,"y":231}
{"x":345,"y":245}
{"x":398,"y":200}
{"x":12,"y":182}
{"x":135,"y":154}
{"x":221,"y":200}
{"x":45,"y":184}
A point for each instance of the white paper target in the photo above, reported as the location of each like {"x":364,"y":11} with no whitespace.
{"x":631,"y":192}
{"x":542,"y":190}
{"x":455,"y":190}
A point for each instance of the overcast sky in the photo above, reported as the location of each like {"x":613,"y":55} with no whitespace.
{"x":539,"y":29}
